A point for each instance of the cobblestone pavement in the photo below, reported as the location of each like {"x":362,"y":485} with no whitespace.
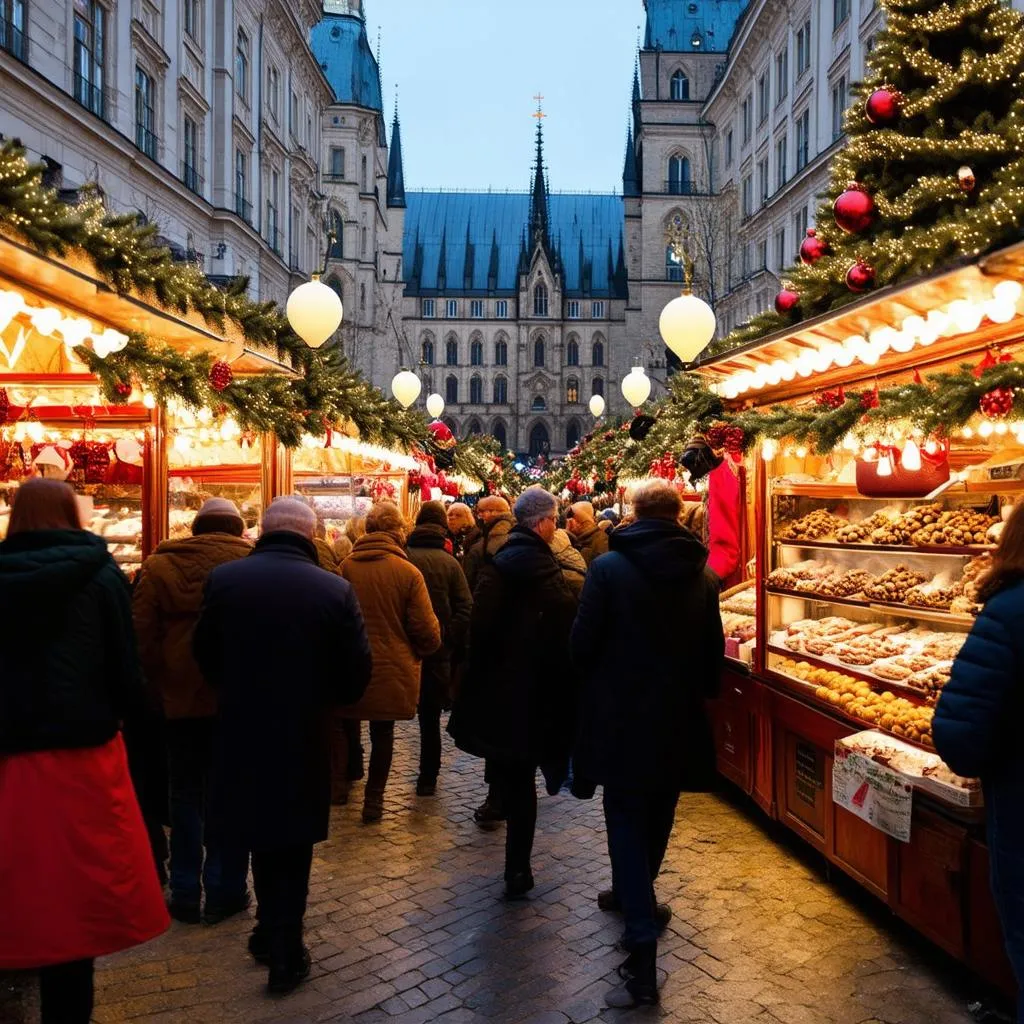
{"x":406,"y":923}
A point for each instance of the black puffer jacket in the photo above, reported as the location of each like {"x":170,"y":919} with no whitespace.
{"x":452,"y":604}
{"x":69,"y":671}
{"x":517,"y":698}
{"x":648,"y":642}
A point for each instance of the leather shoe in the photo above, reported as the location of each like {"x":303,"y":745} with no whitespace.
{"x":259,"y":947}
{"x":217,"y":912}
{"x":285,"y":978}
{"x":608,"y":901}
{"x":186,"y":913}
{"x":518,"y":885}
{"x":426,"y":787}
{"x":489,"y":817}
{"x":373,"y":806}
{"x":630,"y":994}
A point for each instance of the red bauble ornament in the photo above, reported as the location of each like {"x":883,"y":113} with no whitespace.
{"x":860,"y":277}
{"x":997,"y":403}
{"x":221,"y":375}
{"x":787,"y":301}
{"x":812,"y":248}
{"x":832,"y":399}
{"x":883,"y":106}
{"x":442,"y":435}
{"x":122,"y":389}
{"x":854,"y":209}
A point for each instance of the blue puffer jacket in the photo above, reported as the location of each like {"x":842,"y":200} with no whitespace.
{"x":976,"y":730}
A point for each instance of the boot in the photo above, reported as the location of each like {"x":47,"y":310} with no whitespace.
{"x":373,"y":805}
{"x":640,"y":974}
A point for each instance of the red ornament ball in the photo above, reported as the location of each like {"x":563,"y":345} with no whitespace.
{"x":997,"y":403}
{"x":860,"y":277}
{"x":442,"y":435}
{"x":221,"y":375}
{"x":787,"y":301}
{"x":882,"y":107}
{"x":122,"y":389}
{"x":812,"y":248}
{"x":854,"y":210}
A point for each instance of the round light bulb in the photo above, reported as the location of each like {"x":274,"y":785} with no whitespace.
{"x":314,"y":312}
{"x":850,"y":443}
{"x":805,"y":364}
{"x":822,"y":359}
{"x":967,"y":433}
{"x":148,"y":400}
{"x":45,"y":320}
{"x":801,"y":452}
{"x":902,"y":341}
{"x":881,"y":339}
{"x":1008,"y":292}
{"x":769,"y":449}
{"x":939,"y":322}
{"x":406,"y":388}
{"x":965,"y":315}
{"x":1000,"y":312}
{"x":985,"y":429}
{"x":597,"y":406}
{"x":844,"y":356}
{"x":636,"y":387}
{"x":182,"y":443}
{"x":435,"y":406}
{"x":914,"y":327}
{"x":11,"y":304}
{"x":687,"y":325}
{"x":1001,"y":428}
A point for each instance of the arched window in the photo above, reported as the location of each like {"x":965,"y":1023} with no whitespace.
{"x":501,"y":352}
{"x":476,"y":352}
{"x":538,"y":352}
{"x":572,"y":353}
{"x":363,"y":180}
{"x":476,"y":391}
{"x":679,"y":183}
{"x":451,"y":425}
{"x":597,"y":388}
{"x":428,"y":351}
{"x":500,"y":433}
{"x":473,"y":428}
{"x":597,"y":354}
{"x":337,"y":237}
{"x":540,"y":299}
{"x":673,"y":268}
{"x":540,"y":440}
{"x":572,"y":435}
{"x":451,"y":352}
{"x":572,"y":391}
{"x":680,"y":86}
{"x":539,"y":405}
{"x":501,"y":390}
{"x":451,"y":390}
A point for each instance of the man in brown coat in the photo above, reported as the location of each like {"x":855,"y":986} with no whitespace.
{"x":403,"y":630}
{"x":166,"y":604}
{"x":587,"y":537}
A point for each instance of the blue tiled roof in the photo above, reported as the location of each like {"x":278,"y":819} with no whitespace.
{"x":339,"y":43}
{"x":672,"y":24}
{"x":489,"y":220}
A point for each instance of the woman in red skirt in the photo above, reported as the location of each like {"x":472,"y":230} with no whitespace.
{"x":77,"y":877}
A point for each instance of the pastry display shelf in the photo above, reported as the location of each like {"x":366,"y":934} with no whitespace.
{"x":853,"y":671}
{"x":906,"y":611}
{"x":965,"y":551}
{"x":825,"y":492}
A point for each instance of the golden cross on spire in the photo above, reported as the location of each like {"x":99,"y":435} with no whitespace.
{"x":540,"y":115}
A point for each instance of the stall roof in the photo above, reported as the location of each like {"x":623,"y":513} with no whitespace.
{"x":71,"y":283}
{"x":887,"y":307}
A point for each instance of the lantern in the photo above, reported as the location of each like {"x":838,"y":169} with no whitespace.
{"x":636,"y":386}
{"x":314,"y":311}
{"x":435,"y":406}
{"x":687,"y":326}
{"x":597,"y":406}
{"x":406,"y":387}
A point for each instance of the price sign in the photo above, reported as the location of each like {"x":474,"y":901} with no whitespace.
{"x":880,"y":796}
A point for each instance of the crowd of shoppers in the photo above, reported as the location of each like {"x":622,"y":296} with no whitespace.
{"x":544,"y":632}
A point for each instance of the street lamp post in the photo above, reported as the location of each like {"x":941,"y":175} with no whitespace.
{"x":687,"y":323}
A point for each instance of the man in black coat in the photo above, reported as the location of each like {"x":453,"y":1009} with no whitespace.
{"x":281,"y":641}
{"x":516,"y":704}
{"x":648,"y":642}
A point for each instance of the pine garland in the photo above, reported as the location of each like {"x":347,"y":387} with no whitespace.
{"x":326,"y":390}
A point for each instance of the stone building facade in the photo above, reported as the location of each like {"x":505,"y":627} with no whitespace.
{"x":202,"y":117}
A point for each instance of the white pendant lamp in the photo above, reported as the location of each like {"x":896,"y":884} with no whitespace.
{"x":314,"y":311}
{"x":687,"y":326}
{"x":406,"y":387}
{"x":435,"y":406}
{"x":597,"y":406}
{"x":636,"y":387}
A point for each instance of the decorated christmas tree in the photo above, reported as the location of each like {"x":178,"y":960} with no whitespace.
{"x":933,"y":170}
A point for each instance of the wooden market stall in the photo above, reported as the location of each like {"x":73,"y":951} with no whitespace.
{"x":861,"y":592}
{"x":140,"y":471}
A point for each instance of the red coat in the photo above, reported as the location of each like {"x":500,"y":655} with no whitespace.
{"x":77,"y":877}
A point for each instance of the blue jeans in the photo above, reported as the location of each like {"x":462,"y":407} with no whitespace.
{"x":639,"y":825}
{"x":223,"y":872}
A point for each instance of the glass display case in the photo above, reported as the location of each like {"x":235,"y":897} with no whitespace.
{"x":867,"y":600}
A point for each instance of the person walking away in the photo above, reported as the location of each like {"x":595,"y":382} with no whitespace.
{"x":462,"y":529}
{"x":974,"y":729}
{"x":77,"y":878}
{"x":571,"y":562}
{"x":517,"y":717}
{"x":452,"y":604}
{"x":166,"y":603}
{"x":352,"y":741}
{"x":496,"y":521}
{"x":589,"y":539}
{"x":403,"y":630}
{"x":281,"y":642}
{"x":644,"y":733}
